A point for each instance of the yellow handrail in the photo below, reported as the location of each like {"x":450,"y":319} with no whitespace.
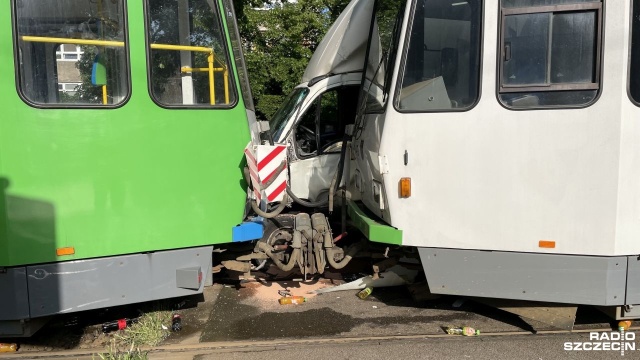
{"x":186,"y":69}
{"x":181,"y":48}
{"x":210,"y":59}
{"x":44,"y":39}
{"x":210,"y":69}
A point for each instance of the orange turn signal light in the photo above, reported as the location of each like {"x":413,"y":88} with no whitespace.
{"x":547,"y":244}
{"x":65,"y":251}
{"x":405,"y":187}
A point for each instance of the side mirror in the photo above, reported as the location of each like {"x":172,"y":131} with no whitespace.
{"x":99,"y":71}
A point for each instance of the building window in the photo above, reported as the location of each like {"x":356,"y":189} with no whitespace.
{"x":188,"y":56}
{"x":69,"y":52}
{"x":442,"y":65}
{"x":634,"y":62}
{"x":550,"y":53}
{"x":72,"y":52}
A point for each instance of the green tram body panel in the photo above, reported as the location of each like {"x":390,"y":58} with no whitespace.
{"x":137,"y":178}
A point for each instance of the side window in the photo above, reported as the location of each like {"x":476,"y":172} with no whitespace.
{"x":321,"y":128}
{"x":72,"y":52}
{"x":550,"y":52}
{"x":383,"y":46}
{"x":306,"y":134}
{"x":188,"y":56}
{"x":442,"y":66}
{"x":634,"y":63}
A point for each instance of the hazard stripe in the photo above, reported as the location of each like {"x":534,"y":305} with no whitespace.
{"x":254,"y":177}
{"x":266,"y":160}
{"x":266,"y":178}
{"x":250,"y":159}
{"x":277,"y":191}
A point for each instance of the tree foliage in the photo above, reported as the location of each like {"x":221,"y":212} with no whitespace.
{"x":279,"y":39}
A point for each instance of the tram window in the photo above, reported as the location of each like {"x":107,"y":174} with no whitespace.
{"x":634,"y":66}
{"x":188,"y":57}
{"x":72,"y":52}
{"x":442,"y":65}
{"x":550,"y":51}
{"x":383,"y":47}
{"x":236,"y":50}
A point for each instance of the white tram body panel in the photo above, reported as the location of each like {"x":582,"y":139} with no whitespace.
{"x":494,"y":178}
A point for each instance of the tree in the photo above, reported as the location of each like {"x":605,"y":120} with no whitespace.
{"x":279,"y":39}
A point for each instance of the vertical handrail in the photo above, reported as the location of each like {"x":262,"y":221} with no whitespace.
{"x":109,"y":43}
{"x":212,"y":90}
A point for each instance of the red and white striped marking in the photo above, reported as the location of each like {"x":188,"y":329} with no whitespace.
{"x":266,"y":162}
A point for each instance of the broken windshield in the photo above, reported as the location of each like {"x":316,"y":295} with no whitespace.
{"x":288,"y":110}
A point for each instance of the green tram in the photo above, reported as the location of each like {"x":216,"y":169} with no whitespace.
{"x":122,"y":130}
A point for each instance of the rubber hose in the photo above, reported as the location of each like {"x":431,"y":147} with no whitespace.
{"x":304,"y":202}
{"x":339,"y":265}
{"x":274,"y":213}
{"x":292,"y":260}
{"x":262,"y":264}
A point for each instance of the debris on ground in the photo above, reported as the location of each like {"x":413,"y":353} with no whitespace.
{"x":176,"y":322}
{"x":287,"y":300}
{"x":458,"y":303}
{"x":394,"y":276}
{"x":365,"y":292}
{"x":270,"y":292}
{"x":464,"y":330}
{"x":147,"y":331}
{"x":624,"y":325}
{"x":12,"y":347}
{"x":119,"y":324}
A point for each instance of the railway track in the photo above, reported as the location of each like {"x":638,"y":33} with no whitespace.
{"x":176,"y":351}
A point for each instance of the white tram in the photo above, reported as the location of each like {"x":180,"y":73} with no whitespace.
{"x":516,"y":124}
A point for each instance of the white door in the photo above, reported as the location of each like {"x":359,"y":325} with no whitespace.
{"x":317,"y":141}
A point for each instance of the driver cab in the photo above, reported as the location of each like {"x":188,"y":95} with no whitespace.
{"x":312,"y":120}
{"x":316,"y":135}
{"x":320,"y":130}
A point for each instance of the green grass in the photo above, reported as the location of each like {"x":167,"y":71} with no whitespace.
{"x":148,"y":330}
{"x":114,"y":353}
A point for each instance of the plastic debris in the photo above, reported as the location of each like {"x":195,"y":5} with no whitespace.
{"x":8,"y":347}
{"x":363,"y":294}
{"x":118,"y":324}
{"x":465,"y":331}
{"x":286,"y":300}
{"x":624,"y":325}
{"x":394,"y":276}
{"x":176,"y":322}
